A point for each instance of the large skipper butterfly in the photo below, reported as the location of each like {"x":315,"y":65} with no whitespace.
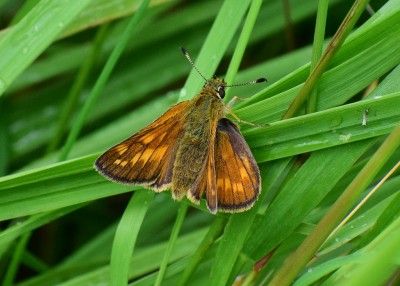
{"x":191,"y":149}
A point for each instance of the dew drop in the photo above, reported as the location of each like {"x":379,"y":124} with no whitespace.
{"x":345,"y":137}
{"x":183,"y":92}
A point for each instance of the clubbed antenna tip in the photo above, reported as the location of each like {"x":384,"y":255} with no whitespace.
{"x":263,"y":79}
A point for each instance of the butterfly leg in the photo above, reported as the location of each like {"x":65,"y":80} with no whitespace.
{"x":228,"y":110}
{"x":233,"y":100}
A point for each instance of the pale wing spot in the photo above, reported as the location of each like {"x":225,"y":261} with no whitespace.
{"x":135,"y":158}
{"x":247,"y":163}
{"x":240,"y":191}
{"x":228,"y":183}
{"x":149,"y":138}
{"x":234,"y":188}
{"x":117,"y":162}
{"x":229,"y":191}
{"x":243,"y":172}
{"x":123,"y":163}
{"x":250,"y":171}
{"x":161,"y":151}
{"x":146,"y":155}
{"x":121,"y":149}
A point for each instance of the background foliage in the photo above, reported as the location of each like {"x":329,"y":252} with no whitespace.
{"x":63,"y":223}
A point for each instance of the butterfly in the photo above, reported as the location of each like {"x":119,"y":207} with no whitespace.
{"x":191,"y":149}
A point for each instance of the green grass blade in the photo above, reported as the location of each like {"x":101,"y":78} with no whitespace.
{"x":70,"y":58}
{"x":292,"y":207}
{"x":353,"y":68}
{"x":142,"y":263}
{"x":380,"y":260}
{"x":108,"y":68}
{"x":301,"y":256}
{"x":35,"y":32}
{"x":126,"y":235}
{"x":325,"y":129}
{"x":317,"y":272}
{"x":337,"y":41}
{"x":103,"y":11}
{"x":242,"y":44}
{"x":33,"y":222}
{"x":215,"y":45}
{"x":15,"y":260}
{"x":76,"y":89}
{"x":318,"y":43}
{"x":213,"y":233}
{"x":171,"y":242}
{"x":4,"y":140}
{"x":50,"y":188}
{"x":233,"y":240}
{"x":351,"y":231}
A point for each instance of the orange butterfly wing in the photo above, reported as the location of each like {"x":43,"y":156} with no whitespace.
{"x":238,"y":180}
{"x":147,"y":157}
{"x":205,"y":182}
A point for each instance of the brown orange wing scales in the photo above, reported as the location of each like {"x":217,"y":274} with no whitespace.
{"x":211,"y":193}
{"x":147,"y":157}
{"x":237,"y":174}
{"x":206,"y":182}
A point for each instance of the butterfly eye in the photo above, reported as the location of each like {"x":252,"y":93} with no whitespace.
{"x":221,"y":91}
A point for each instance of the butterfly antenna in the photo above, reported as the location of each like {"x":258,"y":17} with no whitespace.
{"x":263,"y":79}
{"x":191,"y":62}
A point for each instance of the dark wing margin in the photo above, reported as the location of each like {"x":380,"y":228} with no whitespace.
{"x":237,"y":174}
{"x":147,"y":157}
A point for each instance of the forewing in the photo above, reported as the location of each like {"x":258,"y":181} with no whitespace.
{"x":147,"y":157}
{"x":237,"y":174}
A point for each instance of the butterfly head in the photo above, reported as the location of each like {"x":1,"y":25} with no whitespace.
{"x":217,"y":85}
